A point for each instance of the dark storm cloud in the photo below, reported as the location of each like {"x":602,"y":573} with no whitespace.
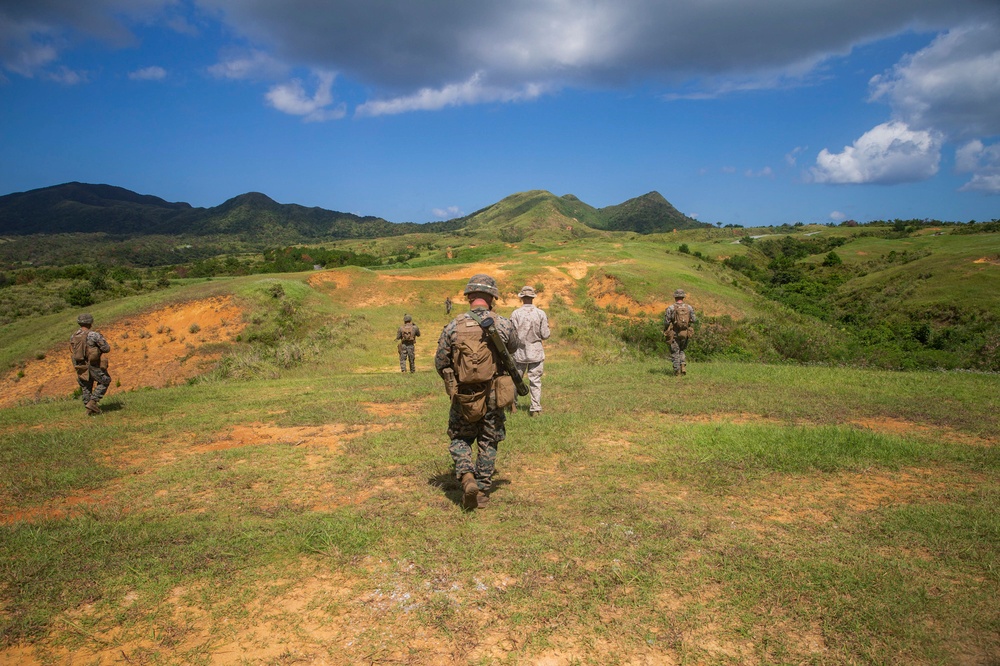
{"x":405,"y":46}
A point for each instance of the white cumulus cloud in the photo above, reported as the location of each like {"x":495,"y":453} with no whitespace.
{"x":248,"y":65}
{"x":984,"y":164}
{"x":952,"y":86}
{"x":887,"y":154}
{"x":293,"y":99}
{"x":447,"y":213}
{"x":153,"y":73}
{"x":473,"y":91}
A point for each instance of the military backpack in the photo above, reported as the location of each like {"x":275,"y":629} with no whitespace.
{"x":680,"y":321}
{"x":408,"y":333}
{"x":471,"y":355}
{"x":78,"y":348}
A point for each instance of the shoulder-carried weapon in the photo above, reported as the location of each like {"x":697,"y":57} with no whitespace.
{"x":506,"y":360}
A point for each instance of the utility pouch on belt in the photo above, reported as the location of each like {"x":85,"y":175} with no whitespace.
{"x":93,"y":355}
{"x":472,"y":401}
{"x":104,"y":363}
{"x":506,"y":392}
{"x":450,"y":383}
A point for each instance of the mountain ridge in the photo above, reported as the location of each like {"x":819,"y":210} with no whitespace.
{"x":76,"y":207}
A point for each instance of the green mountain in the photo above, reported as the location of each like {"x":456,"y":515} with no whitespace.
{"x":535,"y":215}
{"x":80,"y":207}
{"x":648,"y":214}
{"x":83,"y":208}
{"x":539,"y":215}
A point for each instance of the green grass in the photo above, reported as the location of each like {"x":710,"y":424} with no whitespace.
{"x":746,"y":513}
{"x":628,"y":511}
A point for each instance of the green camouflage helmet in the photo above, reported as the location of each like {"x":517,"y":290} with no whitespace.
{"x":407,"y":318}
{"x":483,"y":284}
{"x":86,"y":319}
{"x":680,"y":294}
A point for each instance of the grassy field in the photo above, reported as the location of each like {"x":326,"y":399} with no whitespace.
{"x":744,"y":514}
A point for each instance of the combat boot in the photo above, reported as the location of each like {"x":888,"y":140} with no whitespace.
{"x":92,"y":408}
{"x":684,"y":368}
{"x":482,"y":501}
{"x":470,"y":490}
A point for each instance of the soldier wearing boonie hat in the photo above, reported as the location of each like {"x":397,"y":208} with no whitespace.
{"x":532,"y":326}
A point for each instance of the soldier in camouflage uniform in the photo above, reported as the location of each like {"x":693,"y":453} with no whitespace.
{"x":678,"y":322}
{"x":475,"y":415}
{"x":407,"y":335}
{"x":88,"y":348}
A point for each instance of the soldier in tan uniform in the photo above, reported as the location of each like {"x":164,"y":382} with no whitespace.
{"x":532,"y":326}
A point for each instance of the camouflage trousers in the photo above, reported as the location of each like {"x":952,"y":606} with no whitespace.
{"x":487,"y":433}
{"x":677,"y":347}
{"x":406,"y":353}
{"x":89,"y":391}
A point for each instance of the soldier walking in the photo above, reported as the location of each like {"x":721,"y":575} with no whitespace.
{"x":447,"y":304}
{"x":407,"y":335}
{"x":678,"y":326}
{"x":532,"y":326}
{"x":479,"y":387}
{"x":88,"y":349}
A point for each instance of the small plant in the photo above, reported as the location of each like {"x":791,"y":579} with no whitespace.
{"x":39,"y":356}
{"x":684,"y":249}
{"x":194,"y":328}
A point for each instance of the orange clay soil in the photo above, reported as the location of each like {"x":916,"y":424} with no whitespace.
{"x":154,"y":349}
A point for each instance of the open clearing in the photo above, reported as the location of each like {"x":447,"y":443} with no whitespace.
{"x":744,"y":514}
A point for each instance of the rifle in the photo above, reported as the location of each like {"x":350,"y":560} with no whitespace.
{"x":506,"y":360}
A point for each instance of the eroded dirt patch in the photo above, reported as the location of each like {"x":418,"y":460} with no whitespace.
{"x":155,"y":349}
{"x":330,"y":436}
{"x":608,"y":292}
{"x":902,"y":427}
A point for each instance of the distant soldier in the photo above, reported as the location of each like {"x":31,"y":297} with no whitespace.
{"x":407,"y":335}
{"x":532,"y":328}
{"x":479,"y":387}
{"x":678,"y":326}
{"x":88,"y":349}
{"x":447,"y":304}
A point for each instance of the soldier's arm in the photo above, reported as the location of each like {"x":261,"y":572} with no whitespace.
{"x":101,"y":343}
{"x":416,"y":331}
{"x":545,"y":326}
{"x":509,"y":335}
{"x":399,"y":333}
{"x":693,"y":317}
{"x":442,"y":357}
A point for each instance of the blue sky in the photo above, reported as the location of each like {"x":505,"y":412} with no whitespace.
{"x":752,"y":113}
